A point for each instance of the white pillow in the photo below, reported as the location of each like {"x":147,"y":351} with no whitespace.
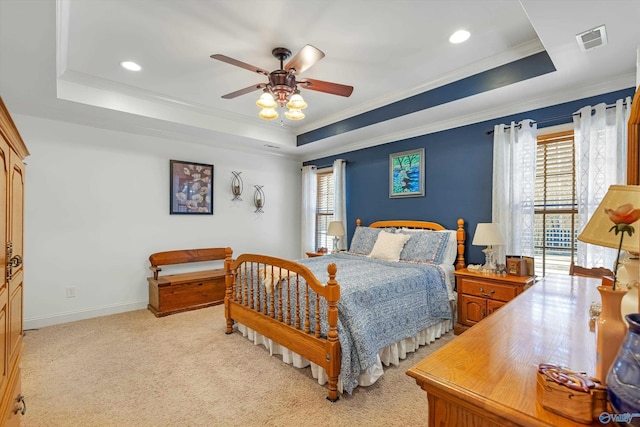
{"x":388,"y":246}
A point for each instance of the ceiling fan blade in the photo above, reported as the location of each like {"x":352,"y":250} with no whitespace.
{"x":304,"y":59}
{"x":327,"y":87}
{"x":240,"y":64}
{"x":244,"y":91}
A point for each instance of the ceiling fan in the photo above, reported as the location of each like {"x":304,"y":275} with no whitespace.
{"x":282,"y":87}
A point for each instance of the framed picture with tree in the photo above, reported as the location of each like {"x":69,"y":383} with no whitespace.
{"x":406,"y":174}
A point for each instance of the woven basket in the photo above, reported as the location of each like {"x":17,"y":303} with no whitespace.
{"x":578,"y":406}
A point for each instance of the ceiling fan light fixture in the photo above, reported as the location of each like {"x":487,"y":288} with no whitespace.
{"x":282,"y":87}
{"x":296,"y":102}
{"x":266,"y":101}
{"x":268,"y":114}
{"x":294,"y":114}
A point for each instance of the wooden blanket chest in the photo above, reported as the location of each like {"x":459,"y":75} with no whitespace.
{"x":187,"y":291}
{"x":175,"y":293}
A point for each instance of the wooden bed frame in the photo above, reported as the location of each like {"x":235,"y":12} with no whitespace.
{"x":298,"y":335}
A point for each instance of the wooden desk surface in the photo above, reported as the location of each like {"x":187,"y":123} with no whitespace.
{"x":490,"y":370}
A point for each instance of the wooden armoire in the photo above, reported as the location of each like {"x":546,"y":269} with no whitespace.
{"x":12,"y":153}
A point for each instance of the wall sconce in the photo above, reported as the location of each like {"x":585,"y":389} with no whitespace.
{"x":258,"y":199}
{"x":236,"y":186}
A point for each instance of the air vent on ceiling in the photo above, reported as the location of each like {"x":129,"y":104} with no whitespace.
{"x":593,"y":38}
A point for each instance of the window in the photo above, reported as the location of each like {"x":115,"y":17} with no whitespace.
{"x":324,"y":208}
{"x":556,"y":208}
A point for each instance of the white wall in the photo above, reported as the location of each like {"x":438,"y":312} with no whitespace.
{"x":97,"y":205}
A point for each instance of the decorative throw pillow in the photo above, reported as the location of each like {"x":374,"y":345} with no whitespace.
{"x":363,"y":240}
{"x":425,"y":246}
{"x":388,"y":246}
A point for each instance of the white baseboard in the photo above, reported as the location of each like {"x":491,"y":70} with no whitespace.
{"x":55,"y":319}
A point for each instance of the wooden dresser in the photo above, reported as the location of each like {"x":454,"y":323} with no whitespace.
{"x":481,"y":294}
{"x":487,"y":376}
{"x":12,"y":153}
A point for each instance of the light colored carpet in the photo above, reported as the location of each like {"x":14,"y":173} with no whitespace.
{"x":133,"y":369}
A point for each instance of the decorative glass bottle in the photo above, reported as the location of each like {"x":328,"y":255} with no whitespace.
{"x":623,"y":381}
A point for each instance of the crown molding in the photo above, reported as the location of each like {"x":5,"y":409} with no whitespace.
{"x":521,"y":51}
{"x":571,"y":94}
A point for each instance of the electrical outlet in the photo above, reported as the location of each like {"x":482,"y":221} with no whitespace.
{"x":71,"y":292}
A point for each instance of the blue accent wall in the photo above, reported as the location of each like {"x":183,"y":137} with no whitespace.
{"x":458,"y":173}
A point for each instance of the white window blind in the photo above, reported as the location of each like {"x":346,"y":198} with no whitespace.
{"x":555,"y":204}
{"x":324,"y":208}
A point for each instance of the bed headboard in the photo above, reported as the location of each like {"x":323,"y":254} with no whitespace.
{"x":426,"y":225}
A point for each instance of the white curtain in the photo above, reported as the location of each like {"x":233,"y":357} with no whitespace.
{"x":309,"y":200}
{"x":514,"y":176}
{"x":340,"y":198}
{"x":601,"y":160}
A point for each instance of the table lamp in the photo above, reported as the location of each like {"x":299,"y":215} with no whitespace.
{"x":597,"y":231}
{"x":336,"y":229}
{"x":488,"y":234}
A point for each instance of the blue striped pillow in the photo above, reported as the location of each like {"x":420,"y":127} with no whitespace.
{"x":364,"y":238}
{"x":425,"y":246}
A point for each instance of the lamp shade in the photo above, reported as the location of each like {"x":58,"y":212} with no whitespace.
{"x":335,"y":228}
{"x":266,"y":101}
{"x":296,"y":102}
{"x":597,"y":229}
{"x":268,"y":113}
{"x":294,"y":114}
{"x":488,"y":234}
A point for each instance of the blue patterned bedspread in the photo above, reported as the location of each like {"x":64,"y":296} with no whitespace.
{"x":380,"y":303}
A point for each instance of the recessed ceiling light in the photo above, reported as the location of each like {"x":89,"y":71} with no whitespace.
{"x":459,"y":36}
{"x":130,"y":65}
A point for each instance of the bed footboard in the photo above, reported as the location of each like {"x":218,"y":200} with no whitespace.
{"x":285,"y":302}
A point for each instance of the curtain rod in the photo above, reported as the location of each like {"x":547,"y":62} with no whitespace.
{"x":551,"y":119}
{"x":330,"y":165}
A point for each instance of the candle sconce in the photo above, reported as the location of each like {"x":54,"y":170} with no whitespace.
{"x":258,"y":199}
{"x":236,"y":186}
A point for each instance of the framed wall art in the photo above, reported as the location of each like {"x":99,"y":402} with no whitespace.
{"x":406,"y":174}
{"x":191,"y":188}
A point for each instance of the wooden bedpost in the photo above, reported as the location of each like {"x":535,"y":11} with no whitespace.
{"x":228,"y":293}
{"x":333,"y":351}
{"x":461,"y":237}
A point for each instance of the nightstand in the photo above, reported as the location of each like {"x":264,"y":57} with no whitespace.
{"x":315,"y":254}
{"x":481,"y":294}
